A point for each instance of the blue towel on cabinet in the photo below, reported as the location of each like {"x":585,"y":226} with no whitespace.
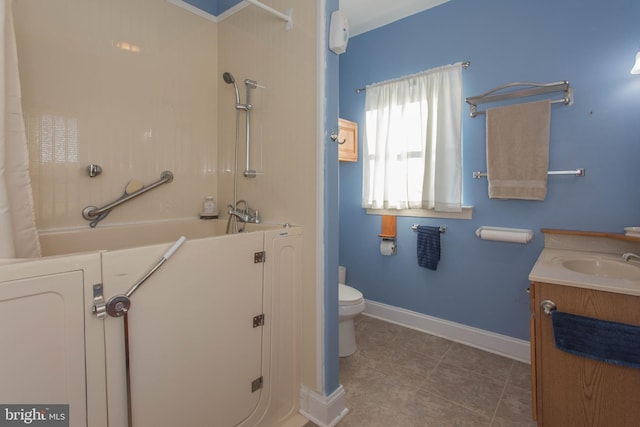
{"x":428,"y":247}
{"x":610,"y":342}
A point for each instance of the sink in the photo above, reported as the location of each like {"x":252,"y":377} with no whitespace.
{"x":601,"y":267}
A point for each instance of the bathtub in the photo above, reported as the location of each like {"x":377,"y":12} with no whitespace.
{"x":213,"y":334}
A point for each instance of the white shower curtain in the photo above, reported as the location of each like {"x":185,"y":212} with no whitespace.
{"x":18,"y":233}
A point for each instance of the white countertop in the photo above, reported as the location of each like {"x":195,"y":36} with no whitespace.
{"x":549,"y":269}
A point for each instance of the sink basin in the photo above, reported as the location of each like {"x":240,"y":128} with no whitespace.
{"x":602,"y":267}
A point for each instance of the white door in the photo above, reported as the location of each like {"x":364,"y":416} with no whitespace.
{"x":42,"y":357}
{"x":194,"y":351}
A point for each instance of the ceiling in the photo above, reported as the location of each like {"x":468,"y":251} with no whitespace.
{"x":366,"y":15}
{"x":363,"y":15}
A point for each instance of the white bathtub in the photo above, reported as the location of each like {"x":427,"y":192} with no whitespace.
{"x":195,"y":353}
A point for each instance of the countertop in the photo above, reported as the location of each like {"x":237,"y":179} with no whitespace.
{"x":549,"y":269}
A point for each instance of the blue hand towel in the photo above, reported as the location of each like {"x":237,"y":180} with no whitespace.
{"x":428,"y":247}
{"x":610,"y":342}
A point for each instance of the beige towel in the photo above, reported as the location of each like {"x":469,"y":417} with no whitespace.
{"x":518,"y":150}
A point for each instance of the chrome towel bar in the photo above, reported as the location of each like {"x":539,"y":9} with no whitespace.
{"x":576,"y":172}
{"x":95,"y":214}
{"x":530,"y":89}
{"x":442,"y":228}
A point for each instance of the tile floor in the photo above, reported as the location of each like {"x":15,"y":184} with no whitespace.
{"x":400,"y":377}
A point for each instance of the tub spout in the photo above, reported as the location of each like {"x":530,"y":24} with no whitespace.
{"x":238,"y":214}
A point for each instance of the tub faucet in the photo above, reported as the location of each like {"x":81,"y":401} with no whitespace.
{"x":629,"y":255}
{"x":246,"y":214}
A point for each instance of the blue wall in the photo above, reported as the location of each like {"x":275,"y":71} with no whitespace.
{"x":482,"y":283}
{"x":331,"y":223}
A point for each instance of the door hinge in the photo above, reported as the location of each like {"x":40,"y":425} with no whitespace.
{"x":258,"y":320}
{"x":259,"y":257}
{"x":256,"y":384}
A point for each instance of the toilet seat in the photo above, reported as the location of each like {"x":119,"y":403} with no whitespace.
{"x":348,"y":295}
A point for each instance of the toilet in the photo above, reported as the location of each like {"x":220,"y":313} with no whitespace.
{"x":351,"y":303}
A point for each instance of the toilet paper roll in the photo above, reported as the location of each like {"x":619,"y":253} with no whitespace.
{"x":500,"y":234}
{"x":387,"y":247}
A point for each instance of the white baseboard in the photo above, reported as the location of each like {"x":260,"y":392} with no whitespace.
{"x":488,"y":341}
{"x":325,"y":411}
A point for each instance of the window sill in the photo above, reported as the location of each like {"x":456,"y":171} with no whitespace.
{"x":467,"y":213}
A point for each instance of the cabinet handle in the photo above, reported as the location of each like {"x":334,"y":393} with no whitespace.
{"x":547,"y":306}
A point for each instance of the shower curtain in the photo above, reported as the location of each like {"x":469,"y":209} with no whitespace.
{"x":18,"y":233}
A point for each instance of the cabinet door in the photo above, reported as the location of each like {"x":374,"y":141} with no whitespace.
{"x":577,"y":391}
{"x":42,"y":334}
{"x":532,"y":332}
{"x":348,"y":150}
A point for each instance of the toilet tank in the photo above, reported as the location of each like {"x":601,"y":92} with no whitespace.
{"x":342,"y":274}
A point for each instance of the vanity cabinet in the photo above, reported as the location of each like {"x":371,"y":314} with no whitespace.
{"x":569,"y":390}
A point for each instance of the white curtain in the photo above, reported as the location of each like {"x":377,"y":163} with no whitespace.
{"x":412,"y":142}
{"x":18,"y":233}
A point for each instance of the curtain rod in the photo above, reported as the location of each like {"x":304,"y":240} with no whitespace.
{"x":284,"y":16}
{"x":465,"y":65}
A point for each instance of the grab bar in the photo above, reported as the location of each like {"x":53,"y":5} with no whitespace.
{"x":92,"y":212}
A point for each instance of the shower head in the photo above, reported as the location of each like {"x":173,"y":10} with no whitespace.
{"x":228,"y":79}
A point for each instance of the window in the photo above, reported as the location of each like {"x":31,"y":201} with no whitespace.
{"x":412,"y":142}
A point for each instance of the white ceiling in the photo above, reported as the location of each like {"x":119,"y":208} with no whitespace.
{"x":366,"y":15}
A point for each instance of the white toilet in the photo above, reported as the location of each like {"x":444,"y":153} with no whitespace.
{"x":351,"y":303}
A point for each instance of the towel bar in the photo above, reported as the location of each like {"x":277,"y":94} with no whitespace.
{"x":531,"y":89}
{"x":442,"y":228}
{"x":576,"y":172}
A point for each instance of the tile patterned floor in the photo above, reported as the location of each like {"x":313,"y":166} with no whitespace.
{"x":400,"y":377}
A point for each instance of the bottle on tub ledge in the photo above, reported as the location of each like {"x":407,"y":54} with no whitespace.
{"x":209,"y":210}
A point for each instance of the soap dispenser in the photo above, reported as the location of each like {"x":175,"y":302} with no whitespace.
{"x":209,"y":210}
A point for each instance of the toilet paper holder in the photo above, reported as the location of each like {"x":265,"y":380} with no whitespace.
{"x":388,"y":246}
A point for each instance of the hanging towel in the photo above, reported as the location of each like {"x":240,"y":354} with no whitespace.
{"x":518,"y":150}
{"x":610,"y":342}
{"x":428,"y":246}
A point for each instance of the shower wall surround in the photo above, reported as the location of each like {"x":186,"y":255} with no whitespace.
{"x":126,"y":85}
{"x":254,"y":44}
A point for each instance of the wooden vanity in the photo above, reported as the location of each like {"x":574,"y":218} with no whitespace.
{"x":570,"y":390}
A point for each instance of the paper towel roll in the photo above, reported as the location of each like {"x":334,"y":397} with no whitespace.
{"x":387,"y":247}
{"x":500,"y":234}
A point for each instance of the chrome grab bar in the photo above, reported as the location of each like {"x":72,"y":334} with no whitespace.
{"x":93,"y":212}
